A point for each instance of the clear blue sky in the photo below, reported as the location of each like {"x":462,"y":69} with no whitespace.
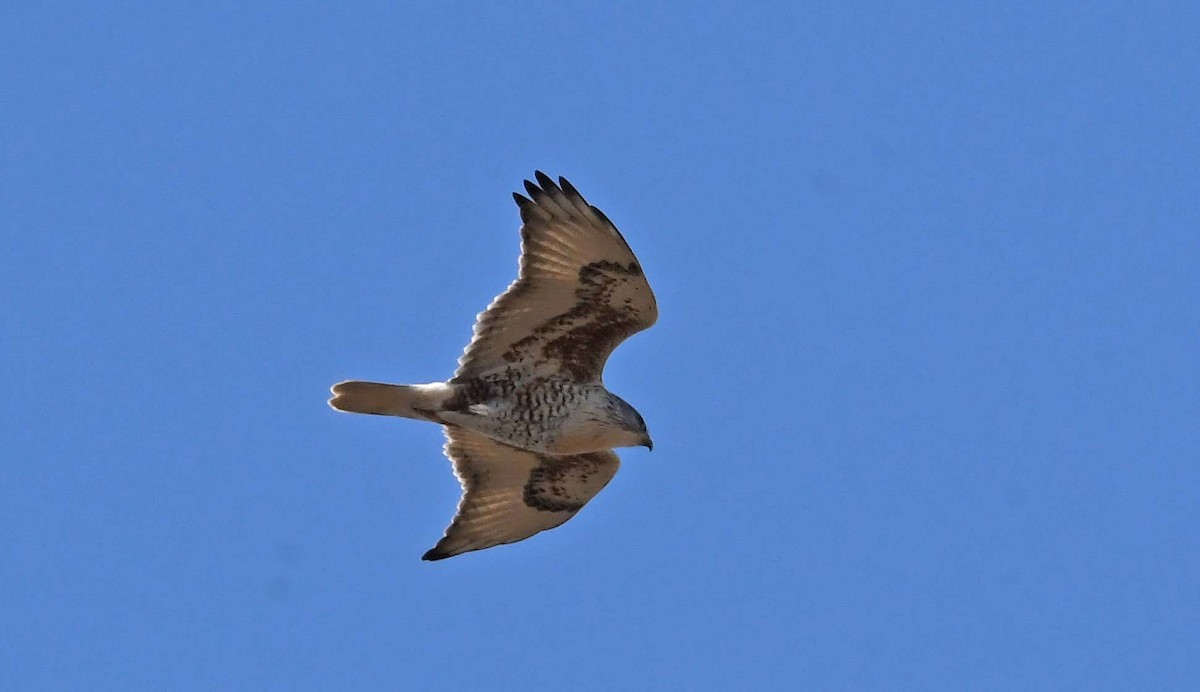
{"x":925,"y":388}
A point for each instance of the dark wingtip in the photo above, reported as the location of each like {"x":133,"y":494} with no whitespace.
{"x":434,"y":554}
{"x":525,"y":205}
{"x":569,"y":189}
{"x":545,"y":181}
{"x":532,"y":189}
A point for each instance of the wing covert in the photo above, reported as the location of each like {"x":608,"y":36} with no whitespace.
{"x":579,"y":293}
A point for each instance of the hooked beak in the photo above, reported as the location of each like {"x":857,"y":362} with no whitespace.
{"x":648,"y":443}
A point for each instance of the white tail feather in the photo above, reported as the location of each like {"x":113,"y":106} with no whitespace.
{"x":420,"y":401}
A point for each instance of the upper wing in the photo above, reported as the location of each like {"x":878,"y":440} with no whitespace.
{"x":510,"y":494}
{"x":579,"y":292}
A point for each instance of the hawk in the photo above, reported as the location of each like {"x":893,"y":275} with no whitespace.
{"x":530,"y":426}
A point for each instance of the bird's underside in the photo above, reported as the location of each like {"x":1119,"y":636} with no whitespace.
{"x":529,"y":424}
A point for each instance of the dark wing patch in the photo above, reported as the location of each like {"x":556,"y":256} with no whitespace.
{"x":565,"y":484}
{"x":580,"y":292}
{"x":510,"y":494}
{"x":580,"y":340}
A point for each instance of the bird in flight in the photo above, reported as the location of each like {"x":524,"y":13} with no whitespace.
{"x":529,"y":424}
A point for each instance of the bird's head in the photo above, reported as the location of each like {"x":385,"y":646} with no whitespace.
{"x":631,"y":427}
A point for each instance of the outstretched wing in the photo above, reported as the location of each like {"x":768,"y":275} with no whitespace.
{"x":579,"y":292}
{"x":510,"y":494}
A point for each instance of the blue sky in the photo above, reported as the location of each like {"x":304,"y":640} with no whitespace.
{"x":924,"y":389}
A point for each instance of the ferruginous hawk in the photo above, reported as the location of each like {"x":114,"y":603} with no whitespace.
{"x":529,"y":423}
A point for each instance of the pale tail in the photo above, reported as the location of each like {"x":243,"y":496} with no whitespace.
{"x":421,"y":401}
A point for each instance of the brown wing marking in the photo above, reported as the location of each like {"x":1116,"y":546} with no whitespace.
{"x":510,"y":494}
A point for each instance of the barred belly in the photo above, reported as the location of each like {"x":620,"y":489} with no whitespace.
{"x":535,"y":414}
